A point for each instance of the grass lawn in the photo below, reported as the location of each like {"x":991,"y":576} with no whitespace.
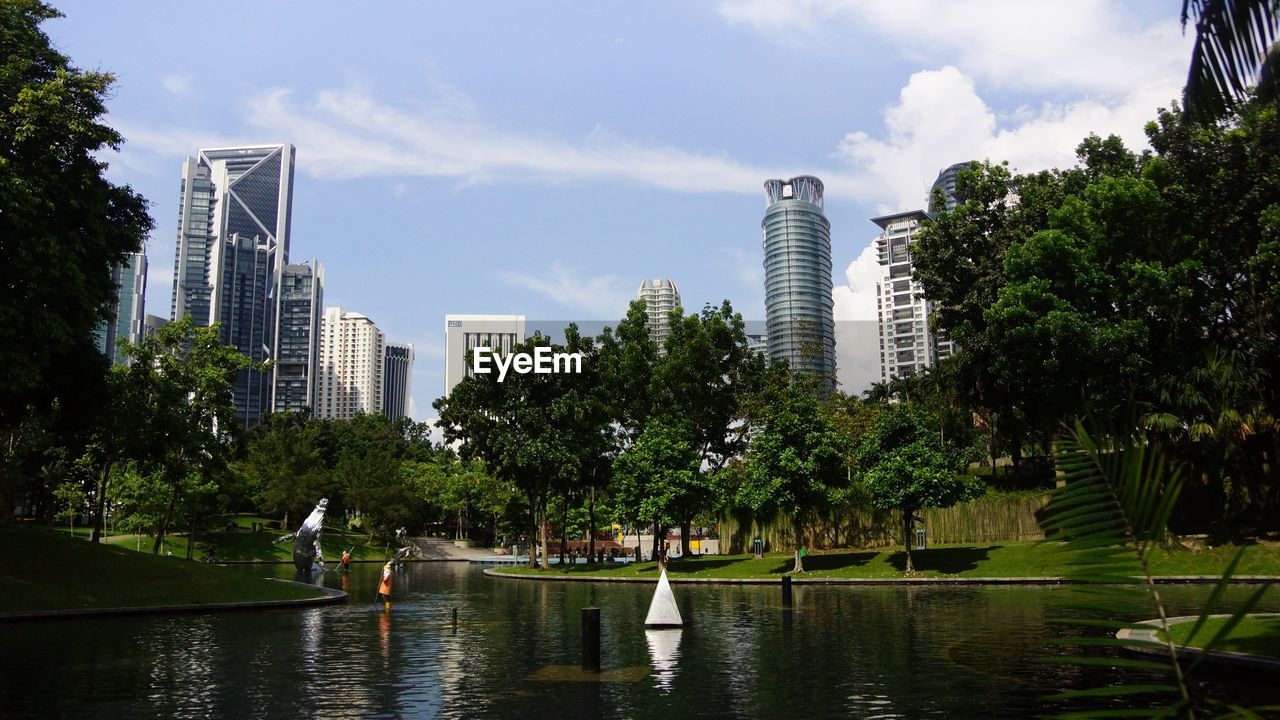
{"x":244,"y":544}
{"x":1009,"y":559}
{"x":47,"y":570}
{"x":1258,"y":635}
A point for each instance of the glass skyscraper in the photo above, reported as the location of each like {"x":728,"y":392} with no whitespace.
{"x":397,"y":380}
{"x":946,"y":182}
{"x":233,"y":244}
{"x":131,"y":282}
{"x":799,"y":309}
{"x":298,"y":340}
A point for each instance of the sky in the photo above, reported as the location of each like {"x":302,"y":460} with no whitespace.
{"x":545,"y":158}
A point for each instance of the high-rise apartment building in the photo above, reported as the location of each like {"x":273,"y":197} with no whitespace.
{"x":297,"y":351}
{"x":908,"y":344}
{"x":462,"y":333}
{"x":351,"y":362}
{"x":129,"y":313}
{"x":233,"y":244}
{"x":660,"y":297}
{"x":799,"y":308}
{"x":397,"y":380}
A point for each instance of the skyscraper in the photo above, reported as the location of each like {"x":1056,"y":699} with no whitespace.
{"x":397,"y":380}
{"x":130,"y":307}
{"x":799,"y":309}
{"x":907,"y":344}
{"x":233,"y":243}
{"x":464,"y":332}
{"x":297,"y":350}
{"x":946,"y":182}
{"x":660,"y":297}
{"x":351,"y":362}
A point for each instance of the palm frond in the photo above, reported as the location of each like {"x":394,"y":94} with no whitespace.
{"x":1235,"y":43}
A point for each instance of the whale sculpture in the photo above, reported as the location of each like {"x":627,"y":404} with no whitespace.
{"x":306,"y":541}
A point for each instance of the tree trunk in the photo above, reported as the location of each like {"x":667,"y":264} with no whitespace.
{"x":164,"y":524}
{"x":564,"y":525}
{"x":191,"y":536}
{"x":542,"y":529}
{"x":100,"y":511}
{"x":798,"y":524}
{"x":533,"y":538}
{"x":657,"y":541}
{"x":906,"y":537}
{"x":686,"y":532}
{"x":591,"y":526}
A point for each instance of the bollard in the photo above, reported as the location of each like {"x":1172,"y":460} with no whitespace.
{"x":786,"y":591}
{"x":591,"y":639}
{"x":455,"y":619}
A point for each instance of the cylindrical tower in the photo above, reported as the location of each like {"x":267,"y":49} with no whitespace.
{"x":797,"y":277}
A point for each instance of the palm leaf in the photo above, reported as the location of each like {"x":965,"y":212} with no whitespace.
{"x":1234,"y":50}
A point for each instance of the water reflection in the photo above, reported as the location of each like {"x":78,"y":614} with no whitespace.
{"x":664,"y":655}
{"x":845,"y":651}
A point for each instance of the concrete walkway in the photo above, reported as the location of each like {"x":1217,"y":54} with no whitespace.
{"x":1152,"y":635}
{"x":330,"y":597}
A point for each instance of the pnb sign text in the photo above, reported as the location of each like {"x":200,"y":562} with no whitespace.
{"x":542,"y":362}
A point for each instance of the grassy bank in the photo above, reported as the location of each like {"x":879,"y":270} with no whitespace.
{"x":47,"y":570}
{"x":244,"y":544}
{"x":1012,"y":559}
{"x":1257,"y":635}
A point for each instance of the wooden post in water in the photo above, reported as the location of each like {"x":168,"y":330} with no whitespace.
{"x":455,"y":619}
{"x":786,"y":591}
{"x":591,"y":639}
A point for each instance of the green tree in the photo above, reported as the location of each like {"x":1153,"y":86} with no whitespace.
{"x":1235,"y":54}
{"x":73,"y":500}
{"x":906,"y":468}
{"x":62,"y":228}
{"x":655,"y":477}
{"x":796,"y":462}
{"x":283,"y":467}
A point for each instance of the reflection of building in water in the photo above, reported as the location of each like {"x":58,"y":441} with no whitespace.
{"x":664,"y":655}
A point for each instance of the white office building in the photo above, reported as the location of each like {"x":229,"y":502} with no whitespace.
{"x":352,"y":352}
{"x":907,"y":344}
{"x":462,"y":333}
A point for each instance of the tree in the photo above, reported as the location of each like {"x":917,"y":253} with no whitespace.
{"x":73,"y":500}
{"x":284,"y":468}
{"x":1235,"y":48}
{"x":62,"y":226}
{"x":906,"y":468}
{"x":655,"y":477}
{"x":516,"y":426}
{"x":796,"y":460}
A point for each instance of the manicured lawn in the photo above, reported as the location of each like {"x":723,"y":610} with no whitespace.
{"x":47,"y":570}
{"x":1012,"y":559}
{"x":1256,"y":634}
{"x":244,"y":544}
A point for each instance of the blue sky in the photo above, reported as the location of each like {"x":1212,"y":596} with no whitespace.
{"x":545,"y":158}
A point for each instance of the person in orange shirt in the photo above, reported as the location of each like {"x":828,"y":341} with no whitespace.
{"x":346,"y":559}
{"x":384,"y":587}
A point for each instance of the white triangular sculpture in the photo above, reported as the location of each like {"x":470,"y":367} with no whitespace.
{"x":663,"y":612}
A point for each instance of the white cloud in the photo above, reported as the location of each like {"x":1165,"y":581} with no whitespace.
{"x":177,"y":84}
{"x":1089,"y":45}
{"x":601,"y":297}
{"x":940,"y":119}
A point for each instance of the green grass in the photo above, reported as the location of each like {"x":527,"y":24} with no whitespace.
{"x":1257,"y":635}
{"x":1009,"y":559}
{"x":244,"y":544}
{"x":47,"y":570}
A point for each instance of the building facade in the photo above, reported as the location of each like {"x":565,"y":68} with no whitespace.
{"x":351,"y":363}
{"x":397,"y":380}
{"x":129,"y":314}
{"x":799,"y":309}
{"x":462,"y":333}
{"x":908,"y":344}
{"x":232,"y":246}
{"x":297,"y":351}
{"x":660,"y":297}
{"x":946,"y":183}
